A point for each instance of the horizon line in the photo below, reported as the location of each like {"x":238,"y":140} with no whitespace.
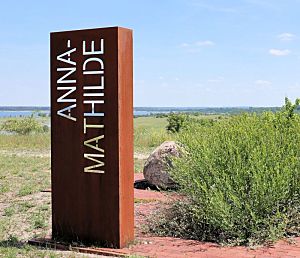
{"x":157,"y":107}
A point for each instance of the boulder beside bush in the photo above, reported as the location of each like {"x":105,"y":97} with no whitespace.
{"x":156,"y":166}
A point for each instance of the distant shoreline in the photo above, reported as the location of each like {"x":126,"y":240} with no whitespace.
{"x":24,"y":108}
{"x":45,"y":108}
{"x":15,"y":111}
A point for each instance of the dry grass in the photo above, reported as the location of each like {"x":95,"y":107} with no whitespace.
{"x":25,"y":211}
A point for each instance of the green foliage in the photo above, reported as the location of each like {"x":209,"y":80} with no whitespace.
{"x":22,"y":126}
{"x":26,"y":189}
{"x":42,"y":114}
{"x":38,"y":220}
{"x":241,"y":177}
{"x":45,"y":128}
{"x":289,"y":109}
{"x":9,"y":211}
{"x":177,"y":122}
{"x":181,"y":121}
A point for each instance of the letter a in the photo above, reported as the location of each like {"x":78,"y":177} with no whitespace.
{"x":96,"y":139}
{"x":67,"y":60}
{"x":68,"y":115}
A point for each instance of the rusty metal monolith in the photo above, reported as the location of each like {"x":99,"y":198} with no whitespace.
{"x":92,"y":136}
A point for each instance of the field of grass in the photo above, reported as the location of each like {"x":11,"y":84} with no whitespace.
{"x":149,"y":132}
{"x":25,"y":208}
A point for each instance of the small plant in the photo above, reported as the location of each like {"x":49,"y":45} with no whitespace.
{"x":41,"y":114}
{"x":12,"y":241}
{"x":25,"y":206}
{"x":38,"y":221}
{"x":26,"y":189}
{"x":9,"y":211}
{"x":22,"y":126}
{"x":45,"y":128}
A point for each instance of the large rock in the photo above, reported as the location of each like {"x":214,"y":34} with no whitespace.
{"x":156,"y":166}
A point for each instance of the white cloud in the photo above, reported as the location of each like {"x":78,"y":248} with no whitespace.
{"x":263,"y":82}
{"x":197,"y":46}
{"x":205,"y":43}
{"x":286,"y":36}
{"x":279,"y":52}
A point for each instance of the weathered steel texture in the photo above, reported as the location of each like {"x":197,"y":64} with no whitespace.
{"x":49,"y":243}
{"x":93,"y":207}
{"x":126,"y":135}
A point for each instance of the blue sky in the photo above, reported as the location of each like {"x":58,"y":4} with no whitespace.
{"x":186,"y":52}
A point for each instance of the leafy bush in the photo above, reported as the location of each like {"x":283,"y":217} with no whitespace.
{"x":22,"y":126}
{"x":176,"y":122}
{"x":181,"y":121}
{"x":161,"y":115}
{"x":241,"y":177}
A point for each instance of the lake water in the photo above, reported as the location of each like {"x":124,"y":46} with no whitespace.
{"x":17,"y":113}
{"x":29,"y":113}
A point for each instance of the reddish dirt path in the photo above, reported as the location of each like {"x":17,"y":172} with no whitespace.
{"x":147,"y":202}
{"x":174,"y":247}
{"x":150,"y":246}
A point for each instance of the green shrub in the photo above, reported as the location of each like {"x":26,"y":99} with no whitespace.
{"x":177,"y":122}
{"x":181,"y":121}
{"x":42,"y":114}
{"x":22,"y":126}
{"x":45,"y":128}
{"x":241,"y":177}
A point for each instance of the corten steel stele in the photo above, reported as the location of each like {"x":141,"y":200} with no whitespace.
{"x":92,"y":136}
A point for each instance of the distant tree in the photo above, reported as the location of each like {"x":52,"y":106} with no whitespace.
{"x":176,"y":122}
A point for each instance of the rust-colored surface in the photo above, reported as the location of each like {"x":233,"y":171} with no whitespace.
{"x":93,"y":207}
{"x":125,"y":138}
{"x":48,"y":243}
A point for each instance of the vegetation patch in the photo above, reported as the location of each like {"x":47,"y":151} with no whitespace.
{"x":241,"y":177}
{"x":25,"y":170}
{"x":149,"y":132}
{"x":139,"y":165}
{"x":23,"y":126}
